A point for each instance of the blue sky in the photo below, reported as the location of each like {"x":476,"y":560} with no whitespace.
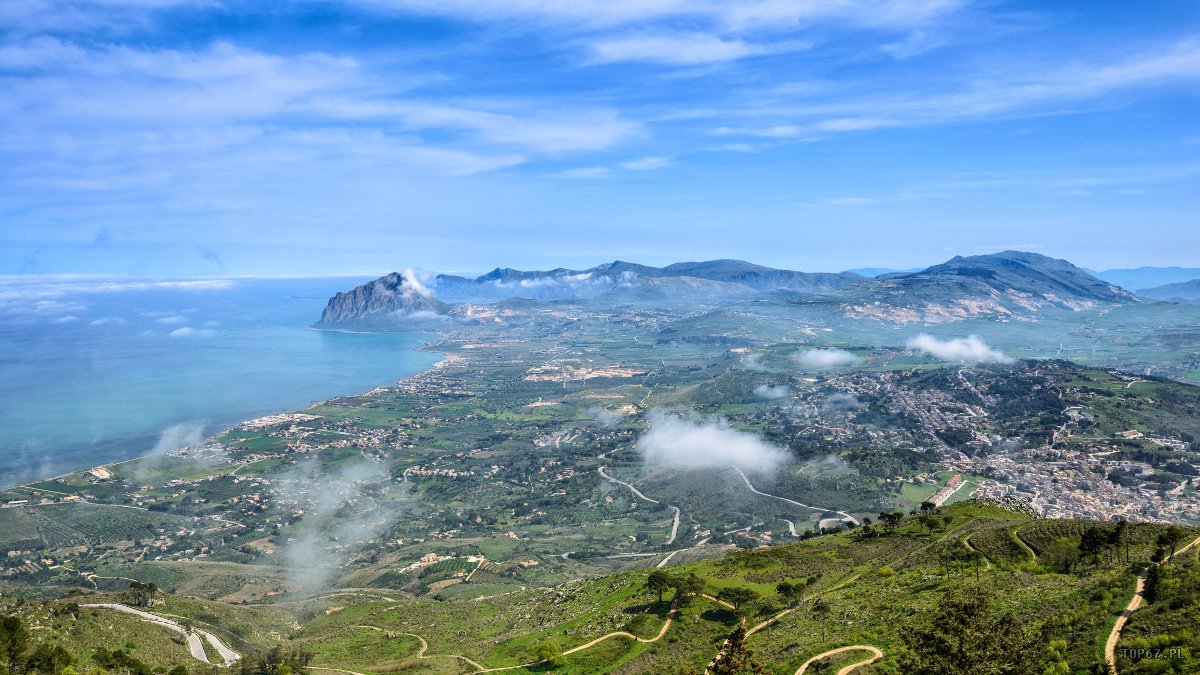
{"x":217,"y":137}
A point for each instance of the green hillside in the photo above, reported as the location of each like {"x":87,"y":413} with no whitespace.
{"x":935,"y":592}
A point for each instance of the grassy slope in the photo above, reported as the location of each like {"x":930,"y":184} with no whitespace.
{"x":373,"y":634}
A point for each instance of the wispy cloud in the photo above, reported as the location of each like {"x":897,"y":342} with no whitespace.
{"x":1026,"y":89}
{"x":688,"y":49}
{"x":971,"y":349}
{"x":646,"y":163}
{"x":825,"y":358}
{"x":683,"y":442}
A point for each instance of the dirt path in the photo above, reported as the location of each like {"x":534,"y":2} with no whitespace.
{"x":195,"y":646}
{"x":420,"y":652}
{"x":966,"y":540}
{"x":1016,"y":536}
{"x":876,"y":654}
{"x":620,"y":633}
{"x":1110,"y":646}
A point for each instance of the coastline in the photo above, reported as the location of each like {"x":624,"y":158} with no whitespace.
{"x":424,"y":346}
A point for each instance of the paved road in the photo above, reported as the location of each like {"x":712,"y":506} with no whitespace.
{"x":193,"y":639}
{"x":843,"y":514}
{"x":875,"y":656}
{"x":1110,"y":646}
{"x":674,"y":525}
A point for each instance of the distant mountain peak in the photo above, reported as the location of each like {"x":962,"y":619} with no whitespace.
{"x":383,"y":302}
{"x":1003,"y":284}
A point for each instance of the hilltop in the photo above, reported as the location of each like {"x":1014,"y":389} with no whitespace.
{"x":1009,"y":284}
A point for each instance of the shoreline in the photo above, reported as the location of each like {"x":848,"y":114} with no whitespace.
{"x":425,"y":347}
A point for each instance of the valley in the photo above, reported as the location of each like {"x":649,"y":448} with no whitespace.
{"x":504,"y":508}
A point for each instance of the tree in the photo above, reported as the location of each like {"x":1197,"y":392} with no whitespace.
{"x":789,"y":592}
{"x":1056,"y":659}
{"x":1063,"y":553}
{"x":1120,"y":535}
{"x":821,"y":610}
{"x":659,"y":582}
{"x":737,"y":595}
{"x":891,"y":520}
{"x":1153,"y":581}
{"x":14,"y":639}
{"x":50,"y":660}
{"x":1092,"y":543}
{"x":139,"y":594}
{"x":927,"y":507}
{"x":967,"y":635}
{"x":550,"y":653}
{"x":736,"y":657}
{"x":808,"y":584}
{"x":687,"y":587}
{"x":976,"y":558}
{"x":1170,"y":539}
{"x":926,"y":522}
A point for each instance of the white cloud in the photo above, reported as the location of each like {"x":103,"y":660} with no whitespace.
{"x":744,"y":15}
{"x":646,"y":164}
{"x":172,"y":320}
{"x":1025,"y":89}
{"x":825,"y":358}
{"x":690,"y":49}
{"x":971,"y":349}
{"x":679,"y":442}
{"x":109,"y":321}
{"x":587,"y":172}
{"x":188,"y":331}
{"x":772,"y":393}
{"x":754,"y":362}
{"x":413,"y":285}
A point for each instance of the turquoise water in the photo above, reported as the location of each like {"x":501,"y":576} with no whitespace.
{"x":96,"y":372}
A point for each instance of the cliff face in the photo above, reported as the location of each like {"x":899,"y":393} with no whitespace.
{"x":389,"y":301}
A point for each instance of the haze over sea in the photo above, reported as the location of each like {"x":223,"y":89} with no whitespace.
{"x":97,"y":371}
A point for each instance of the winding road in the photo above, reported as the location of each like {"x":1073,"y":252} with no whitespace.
{"x":845,"y":516}
{"x":674,"y":524}
{"x":193,"y":638}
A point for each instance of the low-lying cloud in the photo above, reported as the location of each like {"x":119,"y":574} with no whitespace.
{"x":413,"y":287}
{"x":825,"y":358}
{"x":839,"y":403}
{"x":772,"y":392}
{"x":341,"y":512}
{"x":174,"y":437}
{"x":754,"y":362}
{"x":971,"y":349}
{"x":604,"y":417}
{"x":679,"y":442}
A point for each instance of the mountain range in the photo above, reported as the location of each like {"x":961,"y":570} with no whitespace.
{"x":1142,"y":278}
{"x":1005,"y":284}
{"x":1184,"y":291}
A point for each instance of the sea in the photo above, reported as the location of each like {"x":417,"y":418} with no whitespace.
{"x":95,"y":371}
